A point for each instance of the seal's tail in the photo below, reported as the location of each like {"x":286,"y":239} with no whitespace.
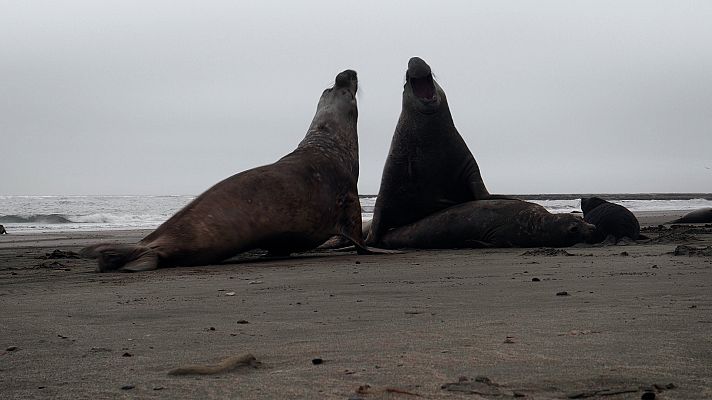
{"x":121,"y":257}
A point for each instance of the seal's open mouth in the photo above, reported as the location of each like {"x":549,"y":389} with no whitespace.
{"x":423,"y":87}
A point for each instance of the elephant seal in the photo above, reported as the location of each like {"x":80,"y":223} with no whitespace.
{"x":293,"y":205}
{"x":491,"y":223}
{"x":610,"y":219}
{"x":701,"y":216}
{"x":2,"y":230}
{"x":429,"y":167}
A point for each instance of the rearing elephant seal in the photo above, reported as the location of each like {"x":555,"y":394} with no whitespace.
{"x":429,"y":166}
{"x":490,"y":223}
{"x":292,"y":205}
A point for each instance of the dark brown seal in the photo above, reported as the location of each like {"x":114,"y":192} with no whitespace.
{"x":611,"y":220}
{"x":293,"y":205}
{"x":490,"y":223}
{"x":429,"y":167}
{"x":700,"y":216}
{"x":2,"y":230}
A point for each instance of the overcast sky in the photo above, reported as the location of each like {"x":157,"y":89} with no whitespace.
{"x":169,"y":97}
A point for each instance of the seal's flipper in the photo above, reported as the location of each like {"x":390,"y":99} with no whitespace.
{"x":478,"y":244}
{"x":367,"y":250}
{"x":112,"y":257}
{"x":146,"y":262}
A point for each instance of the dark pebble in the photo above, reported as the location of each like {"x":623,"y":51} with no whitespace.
{"x":243,"y":321}
{"x":127,"y":387}
{"x":127,"y":354}
{"x":158,"y":388}
{"x":358,"y":262}
{"x":12,"y":348}
{"x":562,"y":293}
{"x":536,"y":280}
{"x":317,"y":361}
{"x":648,"y":396}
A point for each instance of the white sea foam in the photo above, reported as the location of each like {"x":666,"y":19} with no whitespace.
{"x":88,"y":213}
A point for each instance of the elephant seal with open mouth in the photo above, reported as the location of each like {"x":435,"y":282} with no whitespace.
{"x":429,"y":167}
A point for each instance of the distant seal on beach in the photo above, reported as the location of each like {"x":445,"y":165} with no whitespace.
{"x":610,"y":220}
{"x":701,"y":216}
{"x":293,"y":205}
{"x":491,"y":223}
{"x":429,"y":167}
{"x":2,"y":230}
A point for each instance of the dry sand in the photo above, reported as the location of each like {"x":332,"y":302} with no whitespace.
{"x":635,"y":316}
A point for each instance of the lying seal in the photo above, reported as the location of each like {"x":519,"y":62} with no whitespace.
{"x":2,"y":230}
{"x":611,"y":220}
{"x":293,"y":205}
{"x":701,"y":216}
{"x":491,"y":223}
{"x":429,"y":167}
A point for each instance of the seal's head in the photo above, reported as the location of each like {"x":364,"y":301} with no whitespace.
{"x":340,"y":99}
{"x":420,"y":91}
{"x":588,"y":204}
{"x":567,"y":229}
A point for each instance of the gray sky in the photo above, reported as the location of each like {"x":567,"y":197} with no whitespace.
{"x":169,"y":97}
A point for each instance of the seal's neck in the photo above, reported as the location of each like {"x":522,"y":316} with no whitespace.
{"x":333,"y":134}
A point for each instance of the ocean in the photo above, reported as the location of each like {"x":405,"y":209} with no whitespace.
{"x":36,"y":214}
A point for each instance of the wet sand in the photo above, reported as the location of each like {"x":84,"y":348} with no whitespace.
{"x":406,"y":325}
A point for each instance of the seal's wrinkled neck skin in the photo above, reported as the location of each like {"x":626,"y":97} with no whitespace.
{"x":421,"y":93}
{"x":333,"y":129}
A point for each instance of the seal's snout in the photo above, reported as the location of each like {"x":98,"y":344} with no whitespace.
{"x":417,"y":68}
{"x":420,"y":78}
{"x":347,"y":79}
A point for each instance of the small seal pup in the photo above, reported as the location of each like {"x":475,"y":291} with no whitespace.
{"x":490,"y":223}
{"x":700,"y":216}
{"x":293,"y":205}
{"x":429,"y":167}
{"x":612,"y":221}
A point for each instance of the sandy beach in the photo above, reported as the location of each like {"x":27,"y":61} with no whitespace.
{"x":613,"y":322}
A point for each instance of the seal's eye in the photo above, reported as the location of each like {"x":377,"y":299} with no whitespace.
{"x":573,"y":229}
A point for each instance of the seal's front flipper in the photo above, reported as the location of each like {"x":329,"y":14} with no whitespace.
{"x":112,"y":257}
{"x":146,"y":262}
{"x":478,"y":244}
{"x":366,"y":250}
